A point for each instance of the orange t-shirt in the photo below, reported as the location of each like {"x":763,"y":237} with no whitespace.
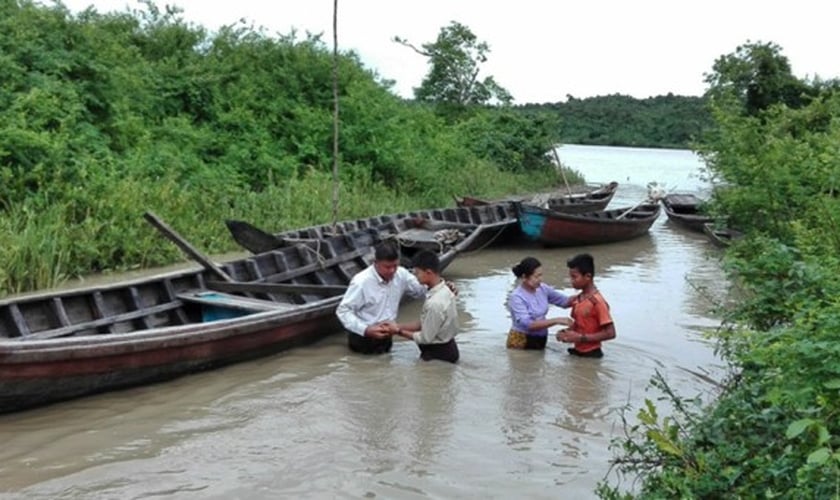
{"x":590,"y":314}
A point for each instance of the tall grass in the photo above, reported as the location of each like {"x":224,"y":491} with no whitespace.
{"x":100,"y":228}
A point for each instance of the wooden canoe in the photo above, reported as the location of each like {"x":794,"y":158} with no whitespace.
{"x":65,"y":344}
{"x":684,"y":211}
{"x":552,"y":228}
{"x":582,"y":199}
{"x":721,"y":236}
{"x":494,"y":223}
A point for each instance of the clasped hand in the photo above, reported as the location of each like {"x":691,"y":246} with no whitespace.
{"x":568,"y":335}
{"x":381,"y":330}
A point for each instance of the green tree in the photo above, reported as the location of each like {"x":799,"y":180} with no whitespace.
{"x":755,"y":77}
{"x":453,"y":79}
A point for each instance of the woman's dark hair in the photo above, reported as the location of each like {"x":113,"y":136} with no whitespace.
{"x":584,"y":263}
{"x":526,"y":267}
{"x":386,"y":251}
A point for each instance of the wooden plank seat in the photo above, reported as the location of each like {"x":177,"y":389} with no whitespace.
{"x":226,"y":300}
{"x":107,"y":321}
{"x":250,"y":287}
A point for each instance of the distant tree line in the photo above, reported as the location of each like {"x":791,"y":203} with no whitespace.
{"x":668,"y":121}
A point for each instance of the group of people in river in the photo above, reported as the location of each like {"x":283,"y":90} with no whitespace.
{"x":369,"y":307}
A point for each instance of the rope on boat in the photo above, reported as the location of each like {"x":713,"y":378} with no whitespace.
{"x":445,"y":239}
{"x":317,"y":252}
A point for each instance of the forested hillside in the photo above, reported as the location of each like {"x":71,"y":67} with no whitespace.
{"x":617,"y":120}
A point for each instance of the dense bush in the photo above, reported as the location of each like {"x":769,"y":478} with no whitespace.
{"x":103,"y":116}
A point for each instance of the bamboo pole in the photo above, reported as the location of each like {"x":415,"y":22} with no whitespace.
{"x":560,"y":168}
{"x":335,"y":118}
{"x":184,"y":245}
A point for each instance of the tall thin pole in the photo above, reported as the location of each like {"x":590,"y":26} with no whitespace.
{"x":335,"y":116}
{"x":559,"y":167}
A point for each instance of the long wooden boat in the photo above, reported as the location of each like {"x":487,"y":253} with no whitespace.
{"x":721,"y":236}
{"x":684,"y":211}
{"x":493,"y":224}
{"x":552,"y":228}
{"x":582,"y":199}
{"x":64,"y":344}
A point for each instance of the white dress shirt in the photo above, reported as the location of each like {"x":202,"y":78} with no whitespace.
{"x":369,"y":299}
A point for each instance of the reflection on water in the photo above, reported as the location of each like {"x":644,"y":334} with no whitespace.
{"x":321,"y":422}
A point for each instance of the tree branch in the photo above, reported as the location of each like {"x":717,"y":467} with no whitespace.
{"x":406,"y":43}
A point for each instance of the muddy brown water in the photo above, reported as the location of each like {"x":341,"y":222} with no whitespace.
{"x":320,"y":422}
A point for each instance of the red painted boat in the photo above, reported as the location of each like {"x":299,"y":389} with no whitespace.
{"x":552,"y":228}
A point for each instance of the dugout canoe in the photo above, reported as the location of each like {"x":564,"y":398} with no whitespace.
{"x":721,"y":236}
{"x":582,"y":199}
{"x":487,"y":225}
{"x":684,"y":210}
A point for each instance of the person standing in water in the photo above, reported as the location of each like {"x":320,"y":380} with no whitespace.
{"x":590,"y":311}
{"x":370,"y":304}
{"x":528,"y":305}
{"x":435,"y":332}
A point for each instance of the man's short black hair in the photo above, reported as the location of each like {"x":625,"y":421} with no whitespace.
{"x":387,"y":251}
{"x":426,"y":260}
{"x":583,"y":263}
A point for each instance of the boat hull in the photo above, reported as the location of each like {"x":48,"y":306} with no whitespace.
{"x":578,"y":201}
{"x":57,"y":371}
{"x":684,"y":210}
{"x":721,"y":237}
{"x":496,"y":224}
{"x":559,"y":229}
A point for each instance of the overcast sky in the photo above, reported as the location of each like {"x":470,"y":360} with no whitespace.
{"x":543,"y":50}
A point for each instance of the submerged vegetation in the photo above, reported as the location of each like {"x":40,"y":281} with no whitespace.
{"x":105,"y":116}
{"x":774,"y":431}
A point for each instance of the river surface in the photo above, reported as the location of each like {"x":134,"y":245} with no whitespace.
{"x":320,"y":422}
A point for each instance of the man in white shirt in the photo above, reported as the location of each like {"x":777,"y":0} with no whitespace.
{"x":370,"y":304}
{"x":438,"y":325}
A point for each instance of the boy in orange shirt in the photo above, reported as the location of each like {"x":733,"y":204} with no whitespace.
{"x":590,"y":311}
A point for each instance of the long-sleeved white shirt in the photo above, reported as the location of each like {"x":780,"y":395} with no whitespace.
{"x":369,"y":299}
{"x":439,"y":317}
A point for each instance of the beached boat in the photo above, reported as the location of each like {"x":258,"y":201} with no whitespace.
{"x":684,"y":211}
{"x":64,"y":344}
{"x":492,"y":224}
{"x":552,"y":228}
{"x":721,"y":236}
{"x":581,"y":199}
